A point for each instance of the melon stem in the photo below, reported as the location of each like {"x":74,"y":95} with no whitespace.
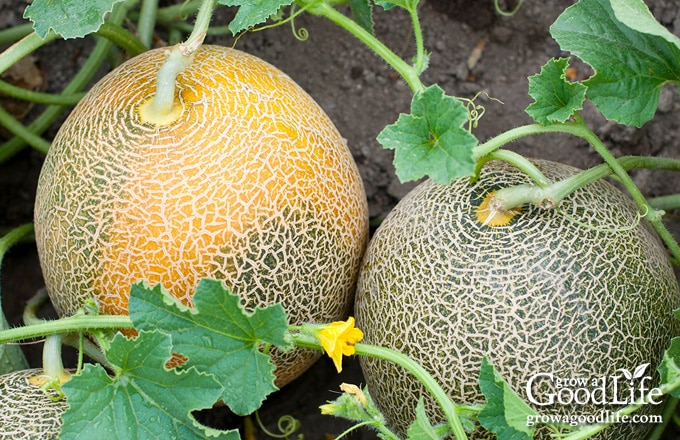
{"x":449,"y":408}
{"x":578,"y":128}
{"x":550,"y":196}
{"x":518,"y":161}
{"x":165,"y":107}
{"x":53,"y":365}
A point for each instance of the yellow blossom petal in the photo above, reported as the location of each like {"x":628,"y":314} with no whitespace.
{"x":338,"y":339}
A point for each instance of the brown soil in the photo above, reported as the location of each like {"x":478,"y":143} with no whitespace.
{"x":362,"y":95}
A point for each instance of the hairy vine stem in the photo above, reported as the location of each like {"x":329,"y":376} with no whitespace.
{"x":22,"y":132}
{"x":449,"y":408}
{"x":23,"y":47}
{"x":147,"y":21}
{"x":15,"y":33}
{"x":75,"y":323}
{"x":410,"y":74}
{"x":122,"y":37}
{"x":40,"y":97}
{"x":518,"y":161}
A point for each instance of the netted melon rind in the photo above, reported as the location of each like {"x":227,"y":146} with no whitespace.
{"x":26,"y":411}
{"x":253,"y":185}
{"x":542,"y":294}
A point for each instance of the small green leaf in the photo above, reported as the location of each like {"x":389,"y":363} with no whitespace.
{"x":431,"y":140}
{"x":363,"y":13}
{"x":422,"y":429}
{"x":144,"y":400}
{"x":505,"y":413}
{"x":630,"y":66}
{"x":669,"y":369}
{"x":555,"y":98}
{"x":68,"y":18}
{"x":218,"y":336}
{"x":252,"y":12}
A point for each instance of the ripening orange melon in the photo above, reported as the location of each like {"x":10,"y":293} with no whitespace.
{"x":251,"y":184}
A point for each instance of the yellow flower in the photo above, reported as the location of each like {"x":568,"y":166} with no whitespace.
{"x":338,"y":339}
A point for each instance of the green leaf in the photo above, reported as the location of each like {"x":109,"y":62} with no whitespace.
{"x":422,"y":429}
{"x":505,"y":413}
{"x":409,"y":5}
{"x":630,"y":66}
{"x":636,"y":15}
{"x":555,"y":98}
{"x":144,"y":400}
{"x":68,"y":18}
{"x":363,"y":13}
{"x":669,"y":369}
{"x":431,"y":140}
{"x":252,"y":12}
{"x":218,"y":336}
{"x":386,"y":5}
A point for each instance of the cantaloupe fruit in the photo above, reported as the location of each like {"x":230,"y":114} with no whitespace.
{"x":27,"y":411}
{"x":579,"y":291}
{"x":252,"y":184}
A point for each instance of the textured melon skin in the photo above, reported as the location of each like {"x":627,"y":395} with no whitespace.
{"x":542,"y":294}
{"x":253,"y":185}
{"x":26,"y":411}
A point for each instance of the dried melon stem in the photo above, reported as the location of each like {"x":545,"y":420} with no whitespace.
{"x":491,"y":212}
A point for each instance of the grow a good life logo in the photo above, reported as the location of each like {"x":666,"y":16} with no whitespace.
{"x":623,"y":388}
{"x":627,"y":388}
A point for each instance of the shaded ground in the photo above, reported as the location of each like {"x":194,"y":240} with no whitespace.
{"x":362,"y":95}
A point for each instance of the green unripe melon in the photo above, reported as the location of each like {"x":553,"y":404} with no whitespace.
{"x":581,"y":291}
{"x":27,"y":412}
